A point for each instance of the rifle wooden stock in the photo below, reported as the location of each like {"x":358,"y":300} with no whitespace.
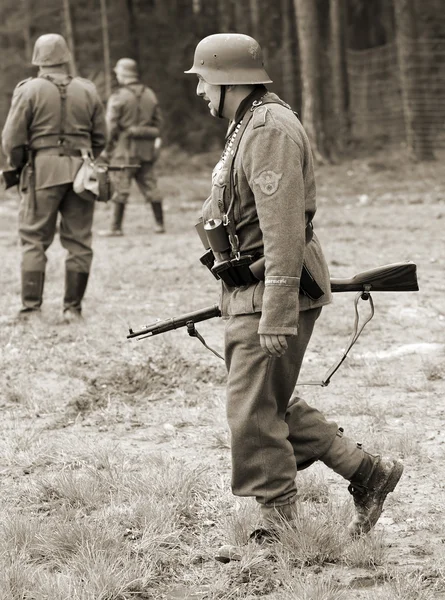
{"x":163,"y":326}
{"x":396,"y":277}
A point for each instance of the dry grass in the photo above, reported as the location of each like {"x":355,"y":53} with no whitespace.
{"x":114,"y":454}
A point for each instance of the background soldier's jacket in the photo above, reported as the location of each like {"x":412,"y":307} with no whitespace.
{"x":274,"y":187}
{"x":34,"y":120}
{"x":126,"y":113}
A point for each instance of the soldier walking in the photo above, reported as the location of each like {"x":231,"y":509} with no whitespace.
{"x":134,"y":123}
{"x":54,"y":119}
{"x":263,"y":193}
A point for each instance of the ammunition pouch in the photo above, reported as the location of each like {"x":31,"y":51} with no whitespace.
{"x":235,"y":272}
{"x":10,"y":178}
{"x":249,"y":269}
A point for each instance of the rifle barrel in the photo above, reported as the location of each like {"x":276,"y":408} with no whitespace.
{"x":174,"y":323}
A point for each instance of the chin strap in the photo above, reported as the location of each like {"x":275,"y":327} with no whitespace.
{"x":222,"y":97}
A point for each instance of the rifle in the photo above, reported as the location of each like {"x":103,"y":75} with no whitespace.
{"x":395,"y":277}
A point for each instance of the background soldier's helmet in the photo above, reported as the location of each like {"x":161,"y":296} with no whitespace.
{"x":127,"y":67}
{"x":229,"y":59}
{"x":50,"y":49}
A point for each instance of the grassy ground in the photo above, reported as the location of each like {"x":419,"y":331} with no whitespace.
{"x":114,"y":454}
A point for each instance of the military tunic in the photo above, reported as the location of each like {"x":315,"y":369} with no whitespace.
{"x":134,"y":121}
{"x":269,"y":194}
{"x":55,"y":135}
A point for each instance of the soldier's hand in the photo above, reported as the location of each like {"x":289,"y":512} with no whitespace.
{"x":273,"y":345}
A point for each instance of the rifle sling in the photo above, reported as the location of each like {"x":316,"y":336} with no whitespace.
{"x":354,"y":337}
{"x":192,"y":331}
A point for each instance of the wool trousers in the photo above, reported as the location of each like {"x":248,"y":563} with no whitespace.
{"x":273,"y":432}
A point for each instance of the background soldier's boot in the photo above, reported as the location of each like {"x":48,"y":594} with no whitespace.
{"x":75,"y":286}
{"x":159,"y":217}
{"x":374,"y":480}
{"x":116,"y":222}
{"x":32,"y":291}
{"x":371,"y":479}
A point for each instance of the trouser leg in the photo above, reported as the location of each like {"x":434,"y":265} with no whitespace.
{"x":159,"y":217}
{"x":117,"y":217}
{"x":268,"y":440}
{"x":36,"y":230}
{"x":147,"y":181}
{"x":32,"y":290}
{"x":76,"y":231}
{"x":121,"y":182}
{"x":75,"y":286}
{"x":344,"y":456}
{"x":76,"y":237}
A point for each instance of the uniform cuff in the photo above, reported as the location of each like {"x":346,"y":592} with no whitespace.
{"x":280,"y":310}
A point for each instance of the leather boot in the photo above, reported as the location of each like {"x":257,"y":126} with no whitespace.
{"x":159,"y":217}
{"x":116,"y":221}
{"x":371,"y":483}
{"x":75,"y":286}
{"x":32,"y":291}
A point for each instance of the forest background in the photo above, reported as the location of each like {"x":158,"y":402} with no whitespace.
{"x":362,"y":74}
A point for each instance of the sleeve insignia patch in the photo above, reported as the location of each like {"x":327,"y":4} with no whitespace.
{"x":268,"y":182}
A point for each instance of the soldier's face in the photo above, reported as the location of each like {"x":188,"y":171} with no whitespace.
{"x":210,"y":93}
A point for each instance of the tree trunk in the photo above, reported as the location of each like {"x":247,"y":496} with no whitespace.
{"x":69,"y":34}
{"x":254,"y":18}
{"x":133,"y":31}
{"x":242,"y":17}
{"x":106,"y":47}
{"x":288,"y":63}
{"x":309,"y":43}
{"x":225,"y":16}
{"x":419,"y":144}
{"x":339,"y":75}
{"x":26,"y":7}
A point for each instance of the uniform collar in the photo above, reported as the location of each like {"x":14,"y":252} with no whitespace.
{"x":256,"y":94}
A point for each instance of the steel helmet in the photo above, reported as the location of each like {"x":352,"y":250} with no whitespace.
{"x":229,"y":59}
{"x":127,"y":67}
{"x":50,"y":49}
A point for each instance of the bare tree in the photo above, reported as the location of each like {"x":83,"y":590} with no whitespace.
{"x":26,"y":7}
{"x":254,"y":17}
{"x":311,"y":73}
{"x":288,"y":61}
{"x":419,"y":145}
{"x":339,"y":75}
{"x":68,"y":23}
{"x":106,"y":47}
{"x":133,"y":30}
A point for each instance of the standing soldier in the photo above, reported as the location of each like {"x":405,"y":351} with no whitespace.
{"x":263,"y":193}
{"x":54,"y":119}
{"x":134,"y":124}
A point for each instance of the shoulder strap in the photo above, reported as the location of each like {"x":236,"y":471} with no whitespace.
{"x":259,"y":119}
{"x":227,"y":158}
{"x":138,"y":95}
{"x":61,"y":87}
